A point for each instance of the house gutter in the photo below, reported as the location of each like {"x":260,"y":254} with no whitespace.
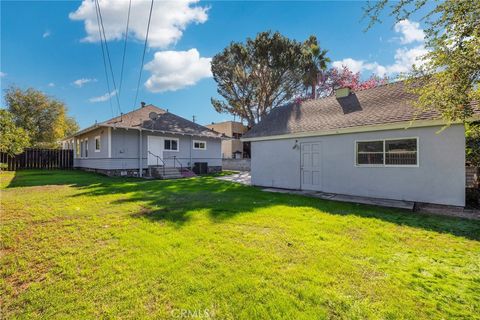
{"x":368,"y":128}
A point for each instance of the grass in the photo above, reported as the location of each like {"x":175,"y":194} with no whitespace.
{"x":79,"y":245}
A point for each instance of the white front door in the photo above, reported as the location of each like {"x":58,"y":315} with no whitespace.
{"x":155,"y":148}
{"x":310,"y":169}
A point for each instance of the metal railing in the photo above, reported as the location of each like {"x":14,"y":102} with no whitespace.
{"x":158,"y":158}
{"x":179,"y":163}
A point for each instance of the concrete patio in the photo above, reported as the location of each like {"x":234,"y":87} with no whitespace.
{"x":244,"y":178}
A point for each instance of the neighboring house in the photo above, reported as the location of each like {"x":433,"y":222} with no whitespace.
{"x":234,"y":147}
{"x":145,"y":138}
{"x":363,"y":143}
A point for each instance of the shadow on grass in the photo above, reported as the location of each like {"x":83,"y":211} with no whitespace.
{"x":34,"y":178}
{"x":174,"y":201}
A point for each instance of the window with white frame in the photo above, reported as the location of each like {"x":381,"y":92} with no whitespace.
{"x":77,"y":147}
{"x":388,"y":152}
{"x":170,"y":144}
{"x":86,"y":148}
{"x":97,"y":144}
{"x":199,"y":145}
{"x":401,"y":152}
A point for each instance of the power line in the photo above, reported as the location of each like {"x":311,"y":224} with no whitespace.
{"x":108,"y":56}
{"x":104,"y":62}
{"x":143,"y":56}
{"x":124,"y":47}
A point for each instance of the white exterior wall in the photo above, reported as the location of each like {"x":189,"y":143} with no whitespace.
{"x":439,"y":177}
{"x":123,"y":152}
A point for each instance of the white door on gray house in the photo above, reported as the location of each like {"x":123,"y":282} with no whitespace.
{"x":155,"y":148}
{"x":311,"y":165}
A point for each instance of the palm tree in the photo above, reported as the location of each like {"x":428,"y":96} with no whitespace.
{"x":315,"y":63}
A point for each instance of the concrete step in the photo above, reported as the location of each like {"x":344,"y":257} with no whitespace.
{"x":166,"y":173}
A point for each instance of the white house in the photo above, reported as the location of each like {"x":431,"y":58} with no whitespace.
{"x":363,"y":143}
{"x":146,"y":138}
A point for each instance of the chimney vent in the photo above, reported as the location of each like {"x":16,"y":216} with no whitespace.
{"x":342,"y":92}
{"x":142,"y":104}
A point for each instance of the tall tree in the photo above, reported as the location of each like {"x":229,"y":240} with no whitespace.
{"x":448,"y":80}
{"x":315,"y":64}
{"x":343,"y":77}
{"x":257,"y":76}
{"x":44,"y":118}
{"x":12,"y":138}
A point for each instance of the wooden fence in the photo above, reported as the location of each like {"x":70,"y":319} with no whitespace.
{"x":34,"y":158}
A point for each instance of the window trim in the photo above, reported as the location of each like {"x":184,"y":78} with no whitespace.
{"x":170,"y":150}
{"x":199,"y":141}
{"x":384,"y":165}
{"x":99,"y":143}
{"x":86,"y":148}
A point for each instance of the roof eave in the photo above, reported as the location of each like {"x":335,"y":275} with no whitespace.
{"x":358,"y":129}
{"x":88,"y":129}
{"x":161,"y":131}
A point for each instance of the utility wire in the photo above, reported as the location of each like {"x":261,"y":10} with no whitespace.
{"x":104,"y":62}
{"x":124,"y":47}
{"x":143,"y":56}
{"x":108,"y":56}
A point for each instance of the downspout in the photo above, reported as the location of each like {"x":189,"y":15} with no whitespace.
{"x":140,"y":152}
{"x":191,"y":147}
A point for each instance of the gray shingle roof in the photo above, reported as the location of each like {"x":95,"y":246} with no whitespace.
{"x":385,"y":104}
{"x":165,"y":121}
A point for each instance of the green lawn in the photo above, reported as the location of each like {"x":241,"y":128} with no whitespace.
{"x":78,"y":245}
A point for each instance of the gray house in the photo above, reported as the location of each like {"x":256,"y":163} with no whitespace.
{"x":363,"y":143}
{"x":149,"y":140}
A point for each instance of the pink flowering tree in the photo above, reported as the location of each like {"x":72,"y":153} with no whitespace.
{"x":337,"y":78}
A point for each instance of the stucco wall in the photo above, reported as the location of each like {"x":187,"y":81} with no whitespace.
{"x":125,"y":155}
{"x":439,"y":178}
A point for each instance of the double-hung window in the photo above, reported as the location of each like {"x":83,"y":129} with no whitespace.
{"x":387,"y":152}
{"x":170,"y":144}
{"x":199,"y":145}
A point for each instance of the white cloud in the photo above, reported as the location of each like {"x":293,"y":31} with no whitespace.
{"x":103,"y":98}
{"x":169,"y":19}
{"x":51,"y":84}
{"x":352,"y":64}
{"x":46,"y":34}
{"x":411,"y":31}
{"x":173,"y":70}
{"x":2,"y":74}
{"x":405,"y":57}
{"x":81,"y":82}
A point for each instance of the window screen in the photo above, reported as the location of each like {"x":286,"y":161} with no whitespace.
{"x":401,"y":152}
{"x":370,"y":152}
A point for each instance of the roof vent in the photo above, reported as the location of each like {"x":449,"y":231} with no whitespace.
{"x":142,"y":104}
{"x":342,"y":92}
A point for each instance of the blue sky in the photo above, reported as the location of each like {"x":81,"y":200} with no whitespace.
{"x":47,"y":46}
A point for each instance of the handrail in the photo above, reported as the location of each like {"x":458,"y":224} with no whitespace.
{"x":158,"y":158}
{"x":175,"y":161}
